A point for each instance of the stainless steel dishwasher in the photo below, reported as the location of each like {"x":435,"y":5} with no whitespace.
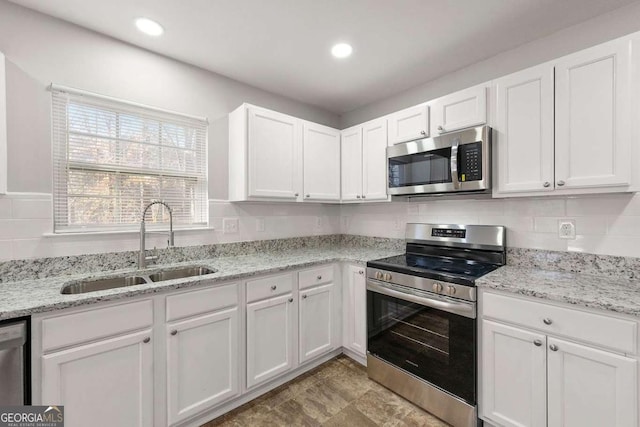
{"x":14,"y":363}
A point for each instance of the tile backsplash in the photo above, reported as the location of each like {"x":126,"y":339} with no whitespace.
{"x":605,"y":224}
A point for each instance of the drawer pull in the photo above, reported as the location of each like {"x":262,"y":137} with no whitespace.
{"x":547,"y":321}
{"x":319,"y":277}
{"x":290,"y":299}
{"x":274,"y":287}
{"x":174,"y":332}
{"x":538,"y":343}
{"x":553,"y":347}
{"x":146,"y":340}
{"x":304,"y":296}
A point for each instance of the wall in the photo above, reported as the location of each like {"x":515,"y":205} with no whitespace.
{"x":40,"y":50}
{"x":606,"y":27}
{"x":607,"y":224}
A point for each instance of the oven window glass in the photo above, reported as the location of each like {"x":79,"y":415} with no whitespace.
{"x":433,"y":167}
{"x":431,"y":344}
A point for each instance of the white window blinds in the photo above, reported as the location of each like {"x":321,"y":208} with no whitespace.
{"x":111,"y":158}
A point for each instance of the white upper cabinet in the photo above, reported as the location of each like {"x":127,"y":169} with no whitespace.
{"x":374,"y":160}
{"x":459,"y":110}
{"x":409,"y":124}
{"x":321,"y":162}
{"x":351,"y":164}
{"x":523,"y":131}
{"x":593,"y":113}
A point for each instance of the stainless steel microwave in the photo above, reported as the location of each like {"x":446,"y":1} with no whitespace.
{"x":450,"y":163}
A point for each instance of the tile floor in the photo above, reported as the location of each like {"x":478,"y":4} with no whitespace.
{"x":336,"y":393}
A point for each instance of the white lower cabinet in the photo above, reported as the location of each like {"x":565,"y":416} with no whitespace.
{"x":104,"y":383}
{"x":534,"y":378}
{"x":317,"y":316}
{"x":202,"y":363}
{"x":355,"y":310}
{"x":269,"y":338}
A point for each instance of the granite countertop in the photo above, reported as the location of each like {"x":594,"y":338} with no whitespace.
{"x":620,"y":295}
{"x":26,"y":297}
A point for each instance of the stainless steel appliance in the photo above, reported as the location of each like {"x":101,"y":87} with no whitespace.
{"x":14,"y":381}
{"x":451,"y":163}
{"x":421,"y":316}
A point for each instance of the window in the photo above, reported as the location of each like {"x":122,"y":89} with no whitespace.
{"x":111,"y":158}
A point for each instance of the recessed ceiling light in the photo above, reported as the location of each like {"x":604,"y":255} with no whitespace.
{"x":149,"y":27}
{"x":341,"y":50}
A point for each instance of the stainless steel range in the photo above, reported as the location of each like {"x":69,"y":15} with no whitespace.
{"x":421,"y":316}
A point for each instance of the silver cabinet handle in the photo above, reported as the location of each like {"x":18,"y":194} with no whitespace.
{"x":357,"y":196}
{"x":538,"y":343}
{"x":274,"y":287}
{"x":304,"y":296}
{"x":546,"y":184}
{"x":360,"y":272}
{"x":307,"y":195}
{"x":553,"y":347}
{"x":290,"y":299}
{"x":174,"y":332}
{"x":296,"y":195}
{"x":146,"y":340}
{"x":364,"y":197}
{"x":423,"y":132}
{"x":319,"y":277}
{"x":547,"y":321}
{"x":560,"y":183}
{"x":440,"y":128}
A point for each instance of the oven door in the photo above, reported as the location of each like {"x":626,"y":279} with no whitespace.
{"x":459,"y":161}
{"x":430,"y":336}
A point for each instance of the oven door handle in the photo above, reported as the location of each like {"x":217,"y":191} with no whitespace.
{"x":460,"y":308}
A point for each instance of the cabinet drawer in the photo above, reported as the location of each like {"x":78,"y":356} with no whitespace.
{"x":77,"y":328}
{"x":605,"y":331}
{"x":269,"y":287}
{"x":201,"y":301}
{"x":316,"y":276}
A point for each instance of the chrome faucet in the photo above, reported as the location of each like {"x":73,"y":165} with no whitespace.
{"x":142,"y":257}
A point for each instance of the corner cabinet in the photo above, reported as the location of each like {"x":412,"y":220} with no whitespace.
{"x":364,"y":162}
{"x":277,"y":157}
{"x":550,"y":365}
{"x":565,"y":127}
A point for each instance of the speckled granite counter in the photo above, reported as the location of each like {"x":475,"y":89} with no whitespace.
{"x":25,"y":297}
{"x":616,"y":294}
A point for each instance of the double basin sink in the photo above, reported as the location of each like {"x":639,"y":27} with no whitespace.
{"x":93,"y":285}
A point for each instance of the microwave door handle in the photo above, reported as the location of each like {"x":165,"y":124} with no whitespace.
{"x":454,"y":164}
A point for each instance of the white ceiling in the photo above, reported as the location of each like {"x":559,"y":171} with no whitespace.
{"x":283,"y":45}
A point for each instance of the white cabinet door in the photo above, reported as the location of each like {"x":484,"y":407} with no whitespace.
{"x":321,"y":162}
{"x":593,"y":117}
{"x":202,"y":363}
{"x":513,"y":376}
{"x":317,"y":317}
{"x":269,"y":339}
{"x":355,"y":310}
{"x":409,"y":124}
{"x":274,"y":142}
{"x":459,"y":110}
{"x":374,"y":160}
{"x":524,"y":131}
{"x":589,"y":387}
{"x":351,"y":163}
{"x":105,"y":383}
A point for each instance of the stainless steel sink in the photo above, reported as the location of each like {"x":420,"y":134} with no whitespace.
{"x":140,"y":278}
{"x":93,"y":285}
{"x":180,"y":273}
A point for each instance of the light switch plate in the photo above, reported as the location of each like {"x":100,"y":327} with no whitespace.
{"x":230,"y":225}
{"x":567,"y":229}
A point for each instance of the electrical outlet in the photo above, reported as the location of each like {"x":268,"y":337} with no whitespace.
{"x":260,"y":224}
{"x":567,"y":229}
{"x":230,"y":225}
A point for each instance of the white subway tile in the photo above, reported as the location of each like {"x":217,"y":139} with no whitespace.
{"x":535,"y":207}
{"x":543,"y":224}
{"x":604,"y":204}
{"x":606,"y":245}
{"x":31,"y":209}
{"x":624,"y":226}
{"x":24,"y":228}
{"x":5,"y":207}
{"x":6,"y":250}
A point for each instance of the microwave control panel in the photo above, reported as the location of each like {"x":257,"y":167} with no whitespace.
{"x":470,"y":162}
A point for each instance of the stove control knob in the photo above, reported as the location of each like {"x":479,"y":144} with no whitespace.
{"x":437,"y":287}
{"x":387,"y":277}
{"x":451,"y":290}
{"x":378,"y":275}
